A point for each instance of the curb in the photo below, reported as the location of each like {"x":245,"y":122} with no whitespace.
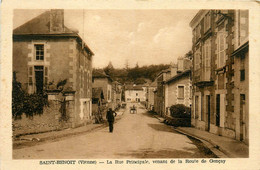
{"x":17,"y":145}
{"x":208,"y":143}
{"x":33,"y":142}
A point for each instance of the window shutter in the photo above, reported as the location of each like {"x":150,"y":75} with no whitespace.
{"x":30,"y":76}
{"x":46,"y":72}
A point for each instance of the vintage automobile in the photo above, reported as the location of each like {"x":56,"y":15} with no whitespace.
{"x":133,"y":109}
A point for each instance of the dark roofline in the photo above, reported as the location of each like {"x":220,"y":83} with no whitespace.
{"x":164,"y":71}
{"x":68,"y":33}
{"x":64,"y":35}
{"x":103,"y":76}
{"x":183,"y":74}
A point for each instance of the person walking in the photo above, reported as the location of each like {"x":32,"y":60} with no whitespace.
{"x":111,"y":118}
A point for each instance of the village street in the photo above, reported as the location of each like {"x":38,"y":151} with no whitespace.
{"x":135,"y":136}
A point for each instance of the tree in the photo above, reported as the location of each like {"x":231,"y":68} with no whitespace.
{"x":109,"y":69}
{"x":189,"y":55}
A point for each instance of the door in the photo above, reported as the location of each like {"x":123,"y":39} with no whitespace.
{"x":208,"y":110}
{"x":242,"y":117}
{"x":196,"y":106}
{"x":39,"y":78}
{"x":217,"y":109}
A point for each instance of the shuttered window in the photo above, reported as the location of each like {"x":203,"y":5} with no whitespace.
{"x":221,"y":49}
{"x":180,"y":92}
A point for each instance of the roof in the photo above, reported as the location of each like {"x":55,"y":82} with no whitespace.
{"x":40,"y":26}
{"x":164,"y":71}
{"x":97,"y":92}
{"x":131,"y":87}
{"x":180,"y":75}
{"x":197,"y":18}
{"x":153,"y":84}
{"x":98,"y":74}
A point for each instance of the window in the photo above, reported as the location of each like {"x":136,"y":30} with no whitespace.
{"x":207,"y":22}
{"x":242,"y":68}
{"x":221,"y":49}
{"x":242,"y":26}
{"x":197,"y":60}
{"x":39,"y":52}
{"x":180,"y":92}
{"x":136,"y":94}
{"x":207,"y":59}
{"x":197,"y":33}
{"x":242,"y":75}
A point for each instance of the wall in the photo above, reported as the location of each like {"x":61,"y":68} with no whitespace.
{"x":150,"y":97}
{"x":20,"y":53}
{"x":49,"y":120}
{"x":131,"y":94}
{"x":64,"y":59}
{"x":173,"y":92}
{"x":82,"y":71}
{"x":101,"y":82}
{"x":241,"y":87}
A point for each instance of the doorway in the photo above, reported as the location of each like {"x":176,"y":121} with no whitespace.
{"x":39,"y":78}
{"x":242,"y":117}
{"x":208,"y":110}
{"x":218,"y":110}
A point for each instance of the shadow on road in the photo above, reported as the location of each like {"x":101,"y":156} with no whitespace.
{"x":149,"y":114}
{"x":164,"y":153}
{"x":162,"y":127}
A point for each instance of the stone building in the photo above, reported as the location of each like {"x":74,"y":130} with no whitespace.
{"x":46,"y":52}
{"x":166,"y":86}
{"x":135,"y":93}
{"x":150,"y":95}
{"x":160,"y":91}
{"x":178,"y":90}
{"x":219,"y":67}
{"x":105,"y":82}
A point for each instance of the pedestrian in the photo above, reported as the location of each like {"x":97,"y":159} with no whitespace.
{"x":111,"y":118}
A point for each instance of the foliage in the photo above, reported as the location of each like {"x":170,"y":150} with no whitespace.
{"x":22,"y":102}
{"x":180,"y":111}
{"x":137,"y":74}
{"x":61,"y":84}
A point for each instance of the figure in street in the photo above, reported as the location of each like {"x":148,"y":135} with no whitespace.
{"x":111,"y":118}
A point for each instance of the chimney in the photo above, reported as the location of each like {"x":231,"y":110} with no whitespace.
{"x":57,"y":21}
{"x":173,"y":70}
{"x":186,"y":64}
{"x":180,"y":64}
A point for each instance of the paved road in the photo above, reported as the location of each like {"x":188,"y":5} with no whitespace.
{"x":135,"y":136}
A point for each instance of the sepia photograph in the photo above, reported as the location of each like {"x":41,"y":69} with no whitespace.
{"x":130,"y":84}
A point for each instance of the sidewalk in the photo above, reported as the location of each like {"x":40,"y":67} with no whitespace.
{"x":34,"y":139}
{"x":223,"y":147}
{"x":230,"y":147}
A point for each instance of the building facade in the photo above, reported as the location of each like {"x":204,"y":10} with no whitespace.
{"x":105,"y":82}
{"x":215,"y":70}
{"x":178,"y":90}
{"x":135,"y":93}
{"x":46,"y":52}
{"x":165,"y":92}
{"x":150,"y":95}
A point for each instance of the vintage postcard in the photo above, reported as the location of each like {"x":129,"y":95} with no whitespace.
{"x":133,"y":85}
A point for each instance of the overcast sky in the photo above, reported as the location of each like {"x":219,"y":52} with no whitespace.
{"x":143,"y":36}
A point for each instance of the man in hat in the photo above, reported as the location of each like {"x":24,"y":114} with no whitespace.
{"x":111,"y":118}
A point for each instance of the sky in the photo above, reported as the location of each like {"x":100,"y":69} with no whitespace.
{"x":128,"y":36}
